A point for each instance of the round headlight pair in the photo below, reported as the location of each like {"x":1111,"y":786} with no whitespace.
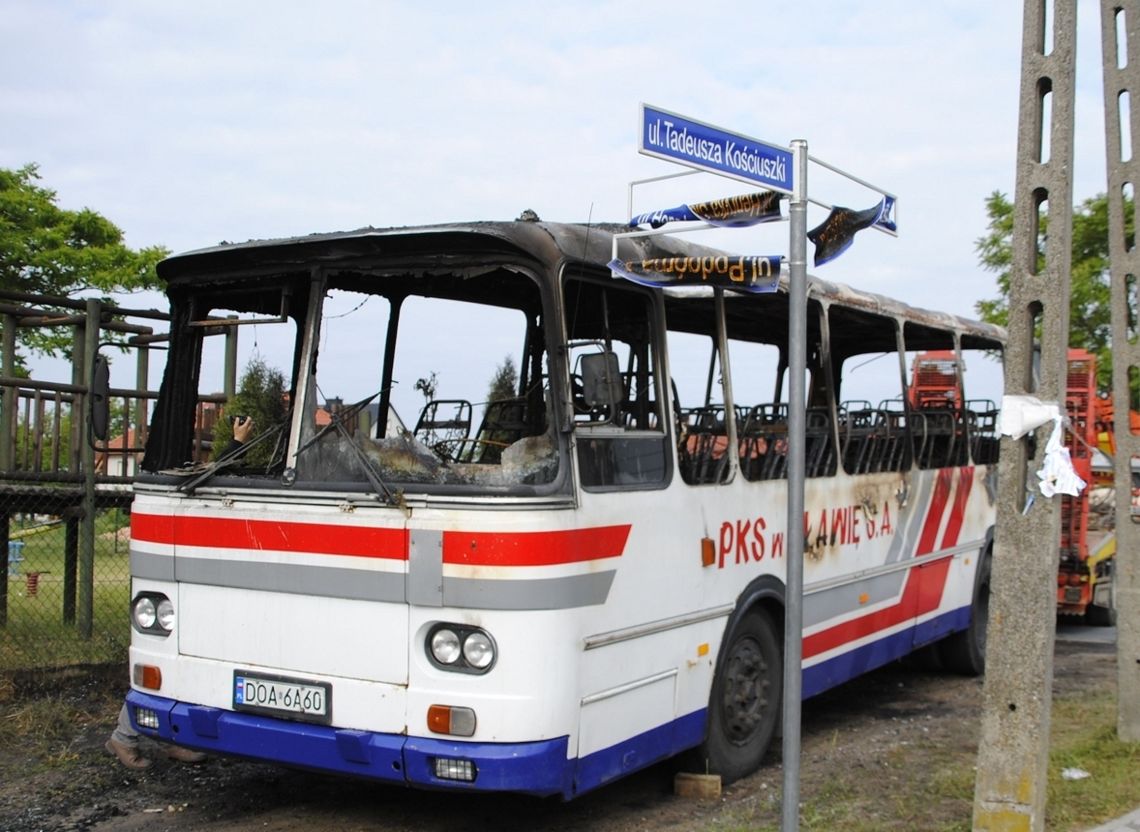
{"x":454,"y":647}
{"x":153,"y":613}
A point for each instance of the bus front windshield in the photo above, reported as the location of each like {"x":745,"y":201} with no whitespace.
{"x":409,"y":381}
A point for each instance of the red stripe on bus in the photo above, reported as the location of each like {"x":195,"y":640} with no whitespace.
{"x":924,"y":584}
{"x":534,"y":548}
{"x":932,"y":577}
{"x":232,"y":533}
{"x":958,"y":515}
{"x":934,"y":515}
{"x":157,"y":528}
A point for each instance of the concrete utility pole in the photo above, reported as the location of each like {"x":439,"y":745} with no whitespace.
{"x":1120,"y":39}
{"x":1014,"y":752}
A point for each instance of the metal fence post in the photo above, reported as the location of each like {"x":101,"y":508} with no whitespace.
{"x":71,"y":519}
{"x":8,"y":399}
{"x":87,"y":455}
{"x":4,"y":538}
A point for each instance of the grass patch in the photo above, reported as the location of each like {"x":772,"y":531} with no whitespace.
{"x":36,"y":634}
{"x":45,"y":731}
{"x":1084,"y":737}
{"x":931,"y":786}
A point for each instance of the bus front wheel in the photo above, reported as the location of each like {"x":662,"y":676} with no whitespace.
{"x":745,"y":703}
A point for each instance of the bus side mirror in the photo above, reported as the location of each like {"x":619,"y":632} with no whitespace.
{"x":601,"y":379}
{"x":100,"y":398}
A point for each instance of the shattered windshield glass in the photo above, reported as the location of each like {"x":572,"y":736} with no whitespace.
{"x":360,"y":380}
{"x":444,"y":387}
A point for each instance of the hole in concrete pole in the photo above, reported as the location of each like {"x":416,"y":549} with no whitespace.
{"x":1135,"y":465}
{"x":1121,"y":39}
{"x":1130,"y":307}
{"x":1033,"y":360}
{"x":1047,"y":27}
{"x":1012,"y":707}
{"x":1128,"y":208}
{"x":1044,"y":118}
{"x":1133,"y":395}
{"x":1040,"y":231}
{"x":1124,"y":119}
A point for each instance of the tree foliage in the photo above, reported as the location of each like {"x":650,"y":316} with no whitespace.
{"x":46,"y":249}
{"x":261,"y":395}
{"x":1090,"y":319}
{"x":504,"y":382}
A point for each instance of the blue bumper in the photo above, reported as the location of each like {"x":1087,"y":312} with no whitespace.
{"x":539,"y":768}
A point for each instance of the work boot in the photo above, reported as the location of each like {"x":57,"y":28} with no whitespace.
{"x":128,"y":755}
{"x":183,"y":755}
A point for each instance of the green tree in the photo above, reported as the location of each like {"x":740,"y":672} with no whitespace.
{"x":504,"y":382}
{"x":1090,"y":322}
{"x":261,"y":395}
{"x":45,"y":249}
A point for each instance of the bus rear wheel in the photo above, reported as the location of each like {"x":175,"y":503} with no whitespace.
{"x":745,"y":702}
{"x":964,"y":652}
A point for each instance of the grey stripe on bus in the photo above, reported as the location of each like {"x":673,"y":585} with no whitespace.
{"x":918,"y":506}
{"x":425,"y":567}
{"x":366,"y":585}
{"x":300,"y":579}
{"x":151,"y":566}
{"x":542,"y":594}
{"x":831,"y":603}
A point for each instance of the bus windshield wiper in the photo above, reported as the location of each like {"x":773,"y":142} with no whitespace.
{"x":230,"y":457}
{"x":337,"y":423}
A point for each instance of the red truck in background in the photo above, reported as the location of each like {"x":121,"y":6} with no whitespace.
{"x":1086,"y":567}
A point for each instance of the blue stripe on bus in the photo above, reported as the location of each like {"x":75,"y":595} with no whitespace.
{"x":538,"y":768}
{"x":638,"y":752}
{"x":854,"y":663}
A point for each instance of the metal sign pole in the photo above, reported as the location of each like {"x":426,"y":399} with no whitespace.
{"x":793,"y":606}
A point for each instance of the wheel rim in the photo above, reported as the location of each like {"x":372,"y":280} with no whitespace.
{"x":746,"y":691}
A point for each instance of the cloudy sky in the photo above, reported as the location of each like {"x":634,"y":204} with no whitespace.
{"x":192,"y":123}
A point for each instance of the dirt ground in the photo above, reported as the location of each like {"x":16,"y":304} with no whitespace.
{"x":872,"y":741}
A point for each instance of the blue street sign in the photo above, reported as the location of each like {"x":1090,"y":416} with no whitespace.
{"x":695,"y":144}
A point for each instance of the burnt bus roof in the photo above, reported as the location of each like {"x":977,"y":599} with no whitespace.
{"x":547,"y":244}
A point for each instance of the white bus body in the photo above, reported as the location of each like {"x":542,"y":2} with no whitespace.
{"x":614,"y":574}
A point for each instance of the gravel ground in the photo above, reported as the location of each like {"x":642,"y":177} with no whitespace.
{"x":878,"y":744}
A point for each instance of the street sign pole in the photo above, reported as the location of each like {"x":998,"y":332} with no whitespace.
{"x":784,"y":170}
{"x":797,"y":370}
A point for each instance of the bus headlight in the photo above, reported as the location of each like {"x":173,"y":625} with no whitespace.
{"x":144,"y":613}
{"x":445,"y":646}
{"x":478,"y":650}
{"x":165,"y":611}
{"x":152,"y":613}
{"x":461,"y":648}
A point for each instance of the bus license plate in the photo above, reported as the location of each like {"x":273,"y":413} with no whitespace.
{"x":283,"y":697}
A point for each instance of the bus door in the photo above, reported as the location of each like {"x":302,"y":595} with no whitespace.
{"x":623,"y":467}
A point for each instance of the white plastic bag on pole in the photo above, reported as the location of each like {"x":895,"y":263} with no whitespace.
{"x":1020,"y":415}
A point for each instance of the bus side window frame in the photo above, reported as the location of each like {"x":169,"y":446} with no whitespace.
{"x":602,"y":448}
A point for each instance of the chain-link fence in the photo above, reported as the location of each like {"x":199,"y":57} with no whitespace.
{"x":47,"y":587}
{"x":69,"y":449}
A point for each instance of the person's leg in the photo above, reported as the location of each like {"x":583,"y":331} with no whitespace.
{"x":124,"y":743}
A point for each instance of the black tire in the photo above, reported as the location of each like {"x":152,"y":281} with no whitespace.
{"x":744,"y":707}
{"x":1097,"y":616}
{"x":964,"y":652}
